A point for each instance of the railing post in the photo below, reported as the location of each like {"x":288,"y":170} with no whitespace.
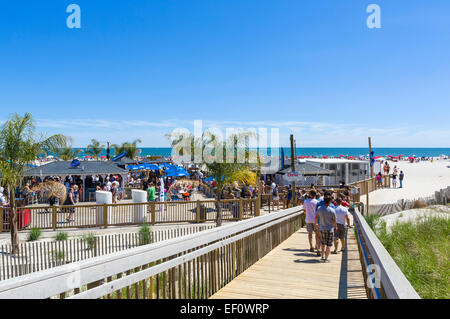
{"x":367,"y":200}
{"x":152,"y":213}
{"x":1,"y":219}
{"x":54,"y":218}
{"x":105,"y":215}
{"x":152,"y":285}
{"x":197,"y":214}
{"x":257,"y":207}
{"x":240,"y":208}
{"x":234,"y":259}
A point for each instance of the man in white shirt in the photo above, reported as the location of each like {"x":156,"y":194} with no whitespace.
{"x":108,"y":184}
{"x":342,"y":216}
{"x":309,"y":206}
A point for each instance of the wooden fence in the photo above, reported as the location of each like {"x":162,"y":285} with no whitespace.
{"x":37,"y":256}
{"x":193,"y":266}
{"x":95,"y":215}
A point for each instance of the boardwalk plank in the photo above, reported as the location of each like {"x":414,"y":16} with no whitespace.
{"x":291,"y":271}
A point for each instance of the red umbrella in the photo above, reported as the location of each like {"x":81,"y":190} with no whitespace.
{"x":351,"y":157}
{"x":341,"y":155}
{"x":325,"y":156}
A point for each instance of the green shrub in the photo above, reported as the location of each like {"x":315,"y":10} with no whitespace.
{"x":89,"y":239}
{"x":61,"y":235}
{"x":34,"y":234}
{"x":372,"y":220}
{"x":420,"y":249}
{"x":145,"y":234}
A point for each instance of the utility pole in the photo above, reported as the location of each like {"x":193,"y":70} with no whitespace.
{"x":293,"y":159}
{"x":370,"y":158}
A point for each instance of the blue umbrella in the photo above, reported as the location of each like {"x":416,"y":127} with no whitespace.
{"x":118,"y":157}
{"x":209,"y":179}
{"x":176,"y":171}
{"x":152,"y":167}
{"x":31,"y":165}
{"x":165,"y":165}
{"x":172,"y":173}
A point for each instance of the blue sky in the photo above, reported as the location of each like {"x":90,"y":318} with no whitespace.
{"x":140,"y":69}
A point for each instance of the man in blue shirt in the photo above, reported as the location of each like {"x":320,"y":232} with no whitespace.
{"x":326,"y":220}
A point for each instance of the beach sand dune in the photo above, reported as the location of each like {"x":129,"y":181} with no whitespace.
{"x":422,"y":179}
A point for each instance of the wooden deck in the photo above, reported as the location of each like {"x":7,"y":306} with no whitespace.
{"x":292,"y":271}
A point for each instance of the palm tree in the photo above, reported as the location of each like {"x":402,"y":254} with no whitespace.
{"x":95,"y":148}
{"x":222,"y":169}
{"x":129,"y":148}
{"x":19,"y":146}
{"x":67,"y":153}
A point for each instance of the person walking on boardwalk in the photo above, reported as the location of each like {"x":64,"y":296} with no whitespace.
{"x":326,"y":217}
{"x":400,"y":178}
{"x":341,"y":217}
{"x":309,"y":206}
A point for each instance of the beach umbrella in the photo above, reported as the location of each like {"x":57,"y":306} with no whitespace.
{"x":103,"y":157}
{"x":165,"y":165}
{"x":176,"y":173}
{"x":209,"y":179}
{"x":324,"y":156}
{"x":151,"y":167}
{"x":351,"y":157}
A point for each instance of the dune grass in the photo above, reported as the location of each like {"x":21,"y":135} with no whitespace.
{"x":422,"y":251}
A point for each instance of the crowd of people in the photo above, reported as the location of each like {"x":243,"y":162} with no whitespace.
{"x":397,"y":176}
{"x":326,"y":218}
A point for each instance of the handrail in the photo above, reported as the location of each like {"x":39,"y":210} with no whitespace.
{"x":393,"y":282}
{"x":55,"y":281}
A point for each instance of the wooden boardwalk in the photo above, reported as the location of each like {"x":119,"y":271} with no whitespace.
{"x":292,"y":271}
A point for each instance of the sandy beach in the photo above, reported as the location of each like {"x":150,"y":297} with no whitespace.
{"x":421,"y":180}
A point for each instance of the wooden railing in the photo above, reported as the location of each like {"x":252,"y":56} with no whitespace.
{"x":384,"y":279}
{"x":95,"y":215}
{"x":40,"y":255}
{"x":193,"y":266}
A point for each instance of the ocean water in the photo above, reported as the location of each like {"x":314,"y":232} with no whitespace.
{"x":324,"y":151}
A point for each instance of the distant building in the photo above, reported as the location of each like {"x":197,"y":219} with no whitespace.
{"x":350,"y":171}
